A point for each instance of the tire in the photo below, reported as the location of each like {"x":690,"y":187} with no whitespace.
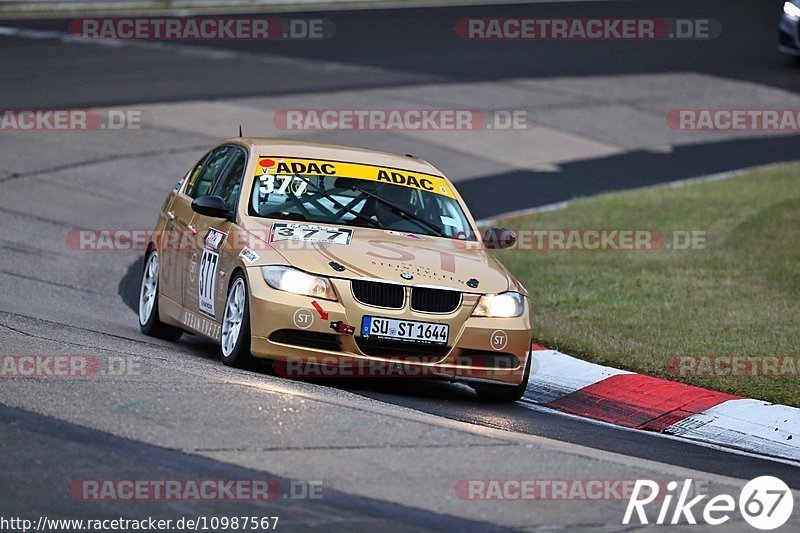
{"x":504,"y":393}
{"x":149,"y":321}
{"x":235,"y":337}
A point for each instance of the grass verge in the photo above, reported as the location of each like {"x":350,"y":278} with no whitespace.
{"x":732,"y":304}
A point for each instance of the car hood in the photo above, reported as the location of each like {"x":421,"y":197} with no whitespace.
{"x":394,"y":256}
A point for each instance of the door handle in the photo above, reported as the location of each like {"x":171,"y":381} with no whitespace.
{"x":171,"y":215}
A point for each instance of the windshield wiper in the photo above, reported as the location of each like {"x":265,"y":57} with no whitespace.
{"x":439,"y":231}
{"x":338,"y":204}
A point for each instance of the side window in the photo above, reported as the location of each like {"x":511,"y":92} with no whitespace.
{"x":229,"y":183}
{"x":191,"y":176}
{"x":214,"y":163}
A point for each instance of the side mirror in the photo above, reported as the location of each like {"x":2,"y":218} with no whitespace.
{"x":212,"y":206}
{"x":497,"y":238}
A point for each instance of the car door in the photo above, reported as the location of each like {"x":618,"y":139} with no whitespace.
{"x":205,"y":292}
{"x":178,"y":215}
{"x":183,"y":217}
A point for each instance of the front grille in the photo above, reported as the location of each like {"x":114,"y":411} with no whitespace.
{"x":307,"y":339}
{"x":434,"y":300}
{"x":377,"y":294}
{"x":423,"y":353}
{"x":489,"y":360}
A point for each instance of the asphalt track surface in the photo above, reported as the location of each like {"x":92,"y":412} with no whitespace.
{"x":49,"y":434}
{"x":29,"y":437}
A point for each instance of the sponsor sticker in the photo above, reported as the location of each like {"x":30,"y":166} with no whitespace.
{"x":402,"y":234}
{"x":318,"y":167}
{"x":498,"y":339}
{"x":303,"y":318}
{"x":200,"y":324}
{"x":249,"y":255}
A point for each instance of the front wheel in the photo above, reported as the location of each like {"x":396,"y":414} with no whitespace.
{"x":149,"y":321}
{"x":235,"y":338}
{"x":504,"y":393}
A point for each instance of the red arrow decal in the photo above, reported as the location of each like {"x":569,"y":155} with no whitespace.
{"x":320,"y":310}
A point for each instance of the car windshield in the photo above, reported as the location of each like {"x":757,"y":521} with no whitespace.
{"x":358,"y":202}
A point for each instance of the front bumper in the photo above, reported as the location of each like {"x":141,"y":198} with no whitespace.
{"x":288,"y":329}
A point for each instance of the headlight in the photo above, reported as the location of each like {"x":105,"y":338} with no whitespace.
{"x":792,"y":10}
{"x":295,"y":281}
{"x":506,"y":305}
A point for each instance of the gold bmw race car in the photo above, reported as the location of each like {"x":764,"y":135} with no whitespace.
{"x":335,"y":261}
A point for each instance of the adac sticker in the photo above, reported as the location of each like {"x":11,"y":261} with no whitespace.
{"x":297,"y":166}
{"x":321,"y":167}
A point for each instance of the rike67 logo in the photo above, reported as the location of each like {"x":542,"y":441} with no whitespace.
{"x":765,"y":503}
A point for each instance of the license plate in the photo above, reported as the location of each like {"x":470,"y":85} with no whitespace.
{"x":373,"y":327}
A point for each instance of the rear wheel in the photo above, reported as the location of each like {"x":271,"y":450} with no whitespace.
{"x":504,"y":393}
{"x":149,"y":321}
{"x":235,"y":337}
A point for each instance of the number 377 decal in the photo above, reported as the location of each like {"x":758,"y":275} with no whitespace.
{"x":284,"y":231}
{"x":209,"y":264}
{"x":282,"y":184}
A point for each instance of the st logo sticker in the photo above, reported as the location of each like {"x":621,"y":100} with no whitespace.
{"x":209,"y":266}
